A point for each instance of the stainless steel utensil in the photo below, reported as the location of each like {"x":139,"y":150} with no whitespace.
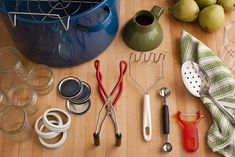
{"x":109,"y":100}
{"x":165,"y":92}
{"x":167,"y":147}
{"x":197,"y":82}
{"x":147,"y":124}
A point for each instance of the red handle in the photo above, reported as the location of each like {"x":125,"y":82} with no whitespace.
{"x":118,"y":86}
{"x":191,"y":142}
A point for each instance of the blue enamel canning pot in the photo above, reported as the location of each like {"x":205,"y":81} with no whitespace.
{"x":61,"y":33}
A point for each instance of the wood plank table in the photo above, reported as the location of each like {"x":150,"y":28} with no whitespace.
{"x":129,"y":108}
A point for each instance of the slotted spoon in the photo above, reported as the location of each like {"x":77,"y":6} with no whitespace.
{"x":198,"y":84}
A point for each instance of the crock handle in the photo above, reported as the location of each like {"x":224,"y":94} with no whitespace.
{"x":157,"y":11}
{"x":98,"y":26}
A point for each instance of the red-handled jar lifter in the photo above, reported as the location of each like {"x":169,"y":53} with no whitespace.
{"x":109,"y":101}
{"x":191,"y":142}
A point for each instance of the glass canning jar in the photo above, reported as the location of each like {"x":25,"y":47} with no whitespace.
{"x":3,"y":100}
{"x":25,"y":97}
{"x":14,"y":123}
{"x":12,"y":70}
{"x":41,"y":78}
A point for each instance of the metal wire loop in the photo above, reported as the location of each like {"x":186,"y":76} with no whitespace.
{"x":149,"y":57}
{"x":40,"y":10}
{"x":133,"y":56}
{"x":161,"y":55}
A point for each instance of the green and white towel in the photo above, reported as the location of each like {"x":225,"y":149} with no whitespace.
{"x":221,"y":134}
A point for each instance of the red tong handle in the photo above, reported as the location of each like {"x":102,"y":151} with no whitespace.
{"x":118,"y":86}
{"x":191,"y":142}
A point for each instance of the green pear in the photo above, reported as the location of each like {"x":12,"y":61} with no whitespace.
{"x":185,"y":10}
{"x":212,"y":17}
{"x":228,"y":5}
{"x":204,"y":3}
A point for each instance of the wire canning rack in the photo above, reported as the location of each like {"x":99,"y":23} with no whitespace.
{"x":45,"y":10}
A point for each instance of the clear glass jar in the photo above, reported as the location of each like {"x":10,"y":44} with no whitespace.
{"x":3,"y":101}
{"x":14,"y":123}
{"x":12,"y":70}
{"x":41,"y":78}
{"x":25,"y":97}
{"x":5,"y":83}
{"x":227,"y":53}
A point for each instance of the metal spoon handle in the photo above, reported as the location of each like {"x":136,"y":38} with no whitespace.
{"x":223,"y":109}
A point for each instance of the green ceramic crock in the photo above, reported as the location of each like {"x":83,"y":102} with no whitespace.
{"x":143,"y":32}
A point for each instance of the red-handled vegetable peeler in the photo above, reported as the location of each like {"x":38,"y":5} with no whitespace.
{"x":191,"y":142}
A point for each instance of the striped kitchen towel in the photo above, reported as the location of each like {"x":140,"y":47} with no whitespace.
{"x":221,"y":134}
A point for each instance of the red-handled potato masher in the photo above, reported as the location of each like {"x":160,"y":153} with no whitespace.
{"x":109,"y":104}
{"x":191,"y":142}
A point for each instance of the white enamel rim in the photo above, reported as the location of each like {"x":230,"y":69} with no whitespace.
{"x":53,"y":127}
{"x":54,"y":145}
{"x":48,"y":135}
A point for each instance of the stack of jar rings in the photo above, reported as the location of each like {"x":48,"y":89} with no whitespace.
{"x":77,"y":94}
{"x":55,"y":127}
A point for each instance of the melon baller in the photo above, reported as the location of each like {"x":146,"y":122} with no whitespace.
{"x":109,"y":104}
{"x":165,"y":92}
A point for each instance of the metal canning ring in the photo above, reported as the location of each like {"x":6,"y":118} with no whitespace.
{"x":70,"y":87}
{"x":78,"y":108}
{"x":83,"y":96}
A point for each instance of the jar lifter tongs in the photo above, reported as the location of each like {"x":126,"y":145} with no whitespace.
{"x":108,"y":103}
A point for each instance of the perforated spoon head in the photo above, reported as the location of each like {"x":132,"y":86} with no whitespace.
{"x":195,"y":79}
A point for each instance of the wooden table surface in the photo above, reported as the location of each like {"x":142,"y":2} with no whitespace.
{"x":129,"y":108}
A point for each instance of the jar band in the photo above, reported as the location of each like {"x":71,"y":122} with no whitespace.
{"x":56,"y":128}
{"x":54,"y":145}
{"x":51,"y":134}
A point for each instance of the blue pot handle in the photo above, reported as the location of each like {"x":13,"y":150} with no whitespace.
{"x":98,"y":26}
